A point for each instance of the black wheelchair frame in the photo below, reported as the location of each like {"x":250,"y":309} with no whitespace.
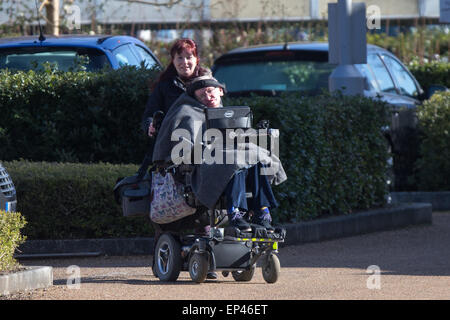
{"x":219,"y":249}
{"x":177,"y":249}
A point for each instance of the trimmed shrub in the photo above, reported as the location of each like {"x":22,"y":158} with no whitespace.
{"x":433,"y":166}
{"x":10,"y":238}
{"x":331,"y":147}
{"x":431,"y":73}
{"x":74,"y":116}
{"x":422,"y":44}
{"x":71,"y":201}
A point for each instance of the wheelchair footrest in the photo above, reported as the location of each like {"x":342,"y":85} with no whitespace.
{"x":257,"y":233}
{"x":277,"y":234}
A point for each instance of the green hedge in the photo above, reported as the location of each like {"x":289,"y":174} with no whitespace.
{"x":74,"y":116}
{"x":70,"y":201}
{"x":431,"y":73}
{"x":331,"y":146}
{"x":91,"y":117}
{"x":332,"y":149}
{"x":10,"y":238}
{"x":433,"y":166}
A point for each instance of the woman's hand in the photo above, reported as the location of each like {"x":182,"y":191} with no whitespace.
{"x":151,"y":130}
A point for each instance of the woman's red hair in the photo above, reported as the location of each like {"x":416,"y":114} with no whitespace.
{"x":184,"y":44}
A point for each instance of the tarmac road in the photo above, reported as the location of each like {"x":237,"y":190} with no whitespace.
{"x":411,"y":263}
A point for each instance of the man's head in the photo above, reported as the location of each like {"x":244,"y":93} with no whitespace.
{"x":207,"y":90}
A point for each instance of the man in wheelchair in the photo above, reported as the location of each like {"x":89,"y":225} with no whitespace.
{"x":196,"y":134}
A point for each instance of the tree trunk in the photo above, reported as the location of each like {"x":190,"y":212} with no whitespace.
{"x":52,"y":8}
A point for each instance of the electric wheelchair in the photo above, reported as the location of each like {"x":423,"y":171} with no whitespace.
{"x":202,"y":242}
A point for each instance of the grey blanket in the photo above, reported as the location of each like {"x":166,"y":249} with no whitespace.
{"x":185,"y":124}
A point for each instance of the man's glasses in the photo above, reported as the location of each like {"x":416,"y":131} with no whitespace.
{"x":205,"y":93}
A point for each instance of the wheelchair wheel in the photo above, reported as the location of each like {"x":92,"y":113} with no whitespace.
{"x":271,"y":268}
{"x":168,"y":262}
{"x":245,"y":275}
{"x":198,"y":267}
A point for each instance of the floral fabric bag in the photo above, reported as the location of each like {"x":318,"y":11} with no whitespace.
{"x":168,"y":202}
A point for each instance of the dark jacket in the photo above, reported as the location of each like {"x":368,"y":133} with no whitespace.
{"x":162,"y":97}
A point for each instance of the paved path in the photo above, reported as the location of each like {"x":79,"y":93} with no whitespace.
{"x":414,"y":263}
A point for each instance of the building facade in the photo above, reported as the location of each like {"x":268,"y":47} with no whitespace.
{"x":213,"y":11}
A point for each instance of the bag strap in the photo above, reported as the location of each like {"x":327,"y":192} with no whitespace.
{"x":146,"y":162}
{"x":157,"y":120}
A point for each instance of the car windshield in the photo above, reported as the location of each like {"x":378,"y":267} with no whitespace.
{"x":292,"y":75}
{"x":63,"y":59}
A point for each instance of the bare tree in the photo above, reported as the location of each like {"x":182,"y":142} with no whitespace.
{"x":52,"y":13}
{"x":54,"y":16}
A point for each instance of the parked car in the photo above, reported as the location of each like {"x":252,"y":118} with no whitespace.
{"x":8,"y":199}
{"x":67,"y":51}
{"x":271,"y":69}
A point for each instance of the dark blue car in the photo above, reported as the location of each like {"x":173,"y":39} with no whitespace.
{"x":274,"y":68}
{"x":70,"y":51}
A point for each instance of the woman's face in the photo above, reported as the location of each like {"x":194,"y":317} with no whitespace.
{"x":185,"y":63}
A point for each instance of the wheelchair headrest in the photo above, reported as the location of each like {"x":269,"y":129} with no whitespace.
{"x":234,"y":117}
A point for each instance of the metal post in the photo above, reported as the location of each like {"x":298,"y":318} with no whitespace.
{"x":346,"y":77}
{"x":344,"y":15}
